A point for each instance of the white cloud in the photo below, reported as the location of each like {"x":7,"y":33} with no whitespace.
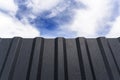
{"x":42,"y":5}
{"x":11,"y":27}
{"x":8,"y":5}
{"x":115,"y":25}
{"x":115,"y":30}
{"x":87,"y":21}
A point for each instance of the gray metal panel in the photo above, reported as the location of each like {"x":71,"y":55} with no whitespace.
{"x":36,"y":64}
{"x":12,"y":56}
{"x":22,"y":63}
{"x":59,"y":59}
{"x":97,"y":62}
{"x":72,"y":60}
{"x":86,"y":72}
{"x":47,"y":71}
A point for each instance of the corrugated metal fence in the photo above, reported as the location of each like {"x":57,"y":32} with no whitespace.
{"x":60,"y":59}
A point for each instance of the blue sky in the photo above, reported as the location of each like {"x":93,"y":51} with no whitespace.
{"x":59,"y":18}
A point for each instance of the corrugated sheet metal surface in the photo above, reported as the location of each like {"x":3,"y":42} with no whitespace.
{"x":60,"y":59}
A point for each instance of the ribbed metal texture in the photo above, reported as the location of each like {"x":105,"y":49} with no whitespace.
{"x":60,"y":59}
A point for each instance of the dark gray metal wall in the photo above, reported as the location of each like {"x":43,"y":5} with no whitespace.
{"x":60,"y":59}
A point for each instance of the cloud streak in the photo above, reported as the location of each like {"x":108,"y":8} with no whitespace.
{"x":8,"y":5}
{"x":49,"y":20}
{"x":10,"y":26}
{"x":115,"y":30}
{"x":67,"y":18}
{"x":115,"y":24}
{"x":89,"y":22}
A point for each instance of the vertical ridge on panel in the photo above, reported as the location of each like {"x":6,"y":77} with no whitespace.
{"x":65,"y":60}
{"x":59,"y":61}
{"x":108,"y":59}
{"x":56,"y":60}
{"x":74,"y":72}
{"x":47,"y":71}
{"x":83,"y":59}
{"x":114,"y":45}
{"x":5,"y":45}
{"x":35,"y":73}
{"x":11,"y":59}
{"x":23,"y":62}
{"x":0,"y":40}
{"x":97,"y":62}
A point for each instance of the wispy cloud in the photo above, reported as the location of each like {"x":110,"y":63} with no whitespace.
{"x":115,"y":24}
{"x":50,"y":20}
{"x":91,"y":21}
{"x":10,"y":26}
{"x":8,"y":5}
{"x":67,"y":18}
{"x":115,"y":30}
